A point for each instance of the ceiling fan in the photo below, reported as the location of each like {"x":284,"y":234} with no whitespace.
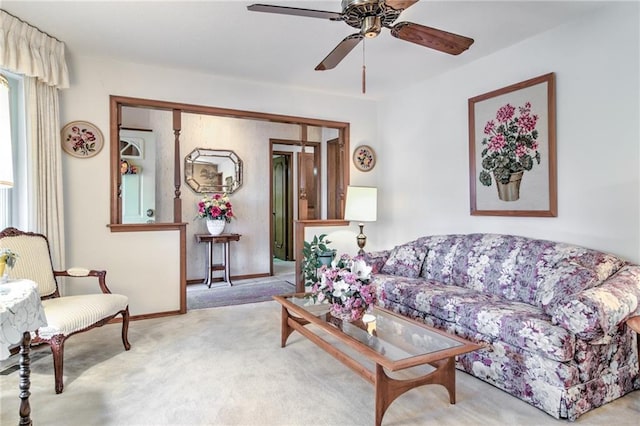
{"x":369,"y":16}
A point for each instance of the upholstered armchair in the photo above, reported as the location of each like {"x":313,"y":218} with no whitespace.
{"x":66,"y":315}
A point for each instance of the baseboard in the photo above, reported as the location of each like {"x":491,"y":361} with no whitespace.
{"x":233,"y":278}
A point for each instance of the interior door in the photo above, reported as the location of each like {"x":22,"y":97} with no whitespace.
{"x":280,"y":207}
{"x":334,"y":183}
{"x":308,"y":206}
{"x":138,"y":169}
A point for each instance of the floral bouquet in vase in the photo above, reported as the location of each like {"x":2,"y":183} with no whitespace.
{"x":217,"y":210}
{"x":346,"y":286}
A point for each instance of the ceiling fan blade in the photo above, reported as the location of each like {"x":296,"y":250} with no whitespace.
{"x":284,"y":10}
{"x":433,"y":38}
{"x":339,"y":52}
{"x":400,"y":4}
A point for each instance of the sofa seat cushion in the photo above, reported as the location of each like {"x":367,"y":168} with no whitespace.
{"x":505,"y":360}
{"x":495,"y":318}
{"x":427,"y":296}
{"x":70,"y":314}
{"x":518,"y":324}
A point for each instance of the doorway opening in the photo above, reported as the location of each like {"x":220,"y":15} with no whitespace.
{"x":282,"y":203}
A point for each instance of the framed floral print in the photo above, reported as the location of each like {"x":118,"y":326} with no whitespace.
{"x":364,"y":158}
{"x":512,"y":150}
{"x":81,"y":139}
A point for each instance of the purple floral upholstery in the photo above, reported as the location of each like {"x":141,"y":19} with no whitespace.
{"x":376,"y":260}
{"x":551,"y":314}
{"x":405,"y":260}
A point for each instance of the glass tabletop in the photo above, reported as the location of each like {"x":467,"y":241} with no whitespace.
{"x":390,"y":335}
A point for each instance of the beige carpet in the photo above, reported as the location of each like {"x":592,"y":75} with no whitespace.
{"x":224,"y":366}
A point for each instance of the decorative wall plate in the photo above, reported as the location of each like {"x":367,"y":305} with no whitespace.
{"x":81,"y":139}
{"x":364,"y":158}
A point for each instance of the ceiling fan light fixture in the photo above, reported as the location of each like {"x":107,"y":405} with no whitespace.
{"x":371,"y":26}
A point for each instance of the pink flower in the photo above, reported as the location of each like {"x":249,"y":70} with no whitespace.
{"x":497,"y":142}
{"x":505,"y":113}
{"x":489,"y":127}
{"x":527,"y":123}
{"x":521,"y":150}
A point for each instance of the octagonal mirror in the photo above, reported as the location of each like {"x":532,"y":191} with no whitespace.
{"x":213,"y":170}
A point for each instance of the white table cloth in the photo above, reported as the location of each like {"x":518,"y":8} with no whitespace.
{"x":20,"y":311}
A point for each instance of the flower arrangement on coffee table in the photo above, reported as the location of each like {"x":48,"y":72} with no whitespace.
{"x":346,"y":286}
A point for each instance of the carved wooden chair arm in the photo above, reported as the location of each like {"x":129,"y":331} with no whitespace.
{"x":82,"y":272}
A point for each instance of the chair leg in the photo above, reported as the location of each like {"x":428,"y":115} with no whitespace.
{"x":57,"y":350}
{"x":125,"y":329}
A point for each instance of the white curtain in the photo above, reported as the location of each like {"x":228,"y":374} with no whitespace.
{"x":43,"y":134}
{"x":26,"y":50}
{"x":6,"y":156}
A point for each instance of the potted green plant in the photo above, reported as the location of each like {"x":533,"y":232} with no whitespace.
{"x":316,"y":253}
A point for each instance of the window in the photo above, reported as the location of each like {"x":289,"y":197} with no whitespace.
{"x":14,"y":200}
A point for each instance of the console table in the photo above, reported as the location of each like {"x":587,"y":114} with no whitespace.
{"x":225,"y":240}
{"x":21,"y":312}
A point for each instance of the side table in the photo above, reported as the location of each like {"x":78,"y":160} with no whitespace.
{"x":21,"y":312}
{"x":225,"y":240}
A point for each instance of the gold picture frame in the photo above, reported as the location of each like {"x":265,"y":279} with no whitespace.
{"x":512,"y":150}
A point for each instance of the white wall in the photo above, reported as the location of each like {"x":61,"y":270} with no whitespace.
{"x":424,"y":155}
{"x":144,"y":265}
{"x":422,"y":144}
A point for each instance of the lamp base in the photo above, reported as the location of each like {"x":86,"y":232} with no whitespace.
{"x":362,"y":239}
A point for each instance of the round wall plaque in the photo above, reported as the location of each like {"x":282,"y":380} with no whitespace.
{"x":364,"y":158}
{"x":81,"y":139}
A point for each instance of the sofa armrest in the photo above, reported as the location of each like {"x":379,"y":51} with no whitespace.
{"x":83,"y":272}
{"x":376,"y":259}
{"x":597,"y":312}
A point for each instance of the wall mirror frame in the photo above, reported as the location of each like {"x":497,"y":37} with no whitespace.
{"x":176,"y":111}
{"x":213,"y":170}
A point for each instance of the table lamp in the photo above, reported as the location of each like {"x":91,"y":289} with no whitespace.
{"x":361,"y":206}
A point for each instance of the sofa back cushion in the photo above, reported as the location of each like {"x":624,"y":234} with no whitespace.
{"x":522,"y":269}
{"x":405,"y":260}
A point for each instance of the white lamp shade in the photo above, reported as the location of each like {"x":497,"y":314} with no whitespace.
{"x":361,"y":204}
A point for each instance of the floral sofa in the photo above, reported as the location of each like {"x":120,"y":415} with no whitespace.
{"x":552,"y":315}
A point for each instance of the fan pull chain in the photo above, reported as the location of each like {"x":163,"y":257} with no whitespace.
{"x":364,"y":70}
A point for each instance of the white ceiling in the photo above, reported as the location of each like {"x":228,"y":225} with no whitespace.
{"x":223,"y":38}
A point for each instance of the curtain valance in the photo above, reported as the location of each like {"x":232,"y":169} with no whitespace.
{"x":25,"y":49}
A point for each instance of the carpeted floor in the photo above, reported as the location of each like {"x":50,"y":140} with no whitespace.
{"x":253,"y":290}
{"x":199,"y":296}
{"x":225,"y":366}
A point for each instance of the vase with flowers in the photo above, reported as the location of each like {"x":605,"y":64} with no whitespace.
{"x":217,"y":210}
{"x":509,"y":149}
{"x":8,"y":259}
{"x":346,"y":286}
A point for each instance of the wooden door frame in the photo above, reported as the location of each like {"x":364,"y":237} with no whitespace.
{"x":292,"y":142}
{"x":290,"y":239}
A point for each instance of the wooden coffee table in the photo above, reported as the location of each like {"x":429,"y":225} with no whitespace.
{"x":391,"y":341}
